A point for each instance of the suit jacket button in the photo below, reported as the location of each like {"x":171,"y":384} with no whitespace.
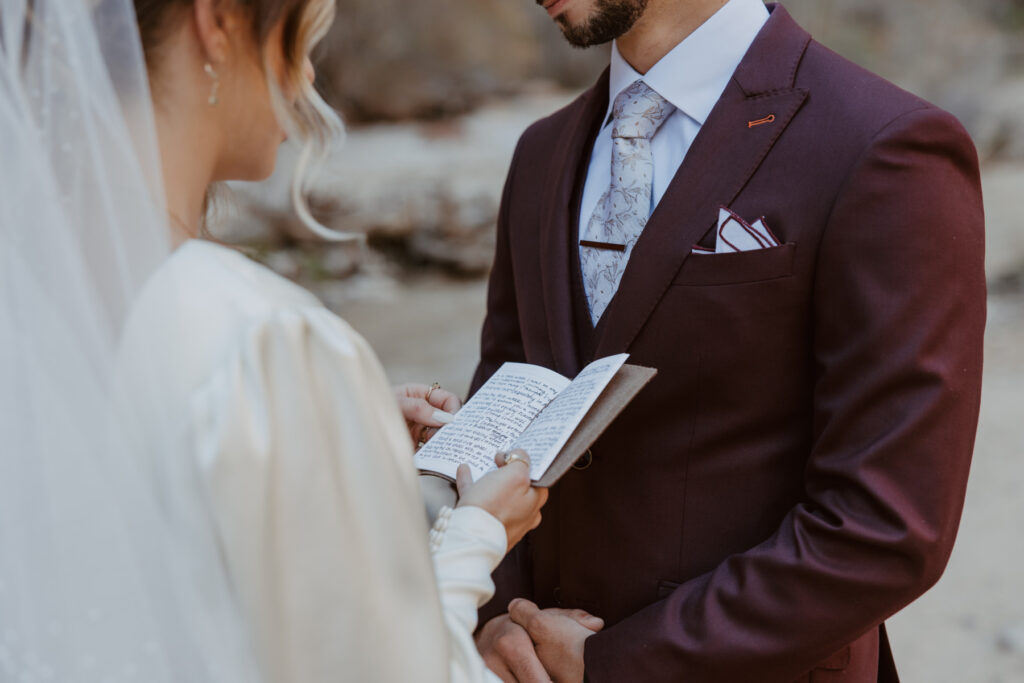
{"x":585,"y":461}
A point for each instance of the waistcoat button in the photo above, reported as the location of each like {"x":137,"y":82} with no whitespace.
{"x":585,"y":461}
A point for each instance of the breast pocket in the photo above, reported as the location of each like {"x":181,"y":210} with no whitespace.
{"x":737,"y":267}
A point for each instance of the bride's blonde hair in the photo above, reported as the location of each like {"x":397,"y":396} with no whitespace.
{"x":310,"y":120}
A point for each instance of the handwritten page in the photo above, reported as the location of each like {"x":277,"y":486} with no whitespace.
{"x":550,"y":430}
{"x":491,"y":420}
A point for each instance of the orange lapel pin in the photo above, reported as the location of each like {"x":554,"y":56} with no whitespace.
{"x":758,"y":122}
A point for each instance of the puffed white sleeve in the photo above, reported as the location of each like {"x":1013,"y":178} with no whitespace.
{"x":309,"y":476}
{"x":467,"y":544}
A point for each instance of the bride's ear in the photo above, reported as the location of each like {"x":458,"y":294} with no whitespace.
{"x":217,"y":22}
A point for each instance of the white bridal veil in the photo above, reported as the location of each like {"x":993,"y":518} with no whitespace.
{"x":108,"y":571}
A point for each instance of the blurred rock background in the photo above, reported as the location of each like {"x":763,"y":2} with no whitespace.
{"x":435,"y":94}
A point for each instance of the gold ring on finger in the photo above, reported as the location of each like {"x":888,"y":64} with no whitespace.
{"x":516,"y":454}
{"x":433,"y":387}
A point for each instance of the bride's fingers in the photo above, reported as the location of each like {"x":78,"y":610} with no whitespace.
{"x":416,"y":432}
{"x":445,"y":400}
{"x":503,"y":458}
{"x":419,"y":412}
{"x":436,"y":396}
{"x":463,"y":479}
{"x":421,"y":434}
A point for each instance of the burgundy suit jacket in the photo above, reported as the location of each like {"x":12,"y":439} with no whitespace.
{"x":795,"y":473}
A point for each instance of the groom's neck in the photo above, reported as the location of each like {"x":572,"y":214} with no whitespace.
{"x":664,"y":24}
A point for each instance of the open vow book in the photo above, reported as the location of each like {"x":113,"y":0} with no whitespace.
{"x":552,"y":418}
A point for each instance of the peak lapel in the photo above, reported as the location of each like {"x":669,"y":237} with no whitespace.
{"x":560,"y":186}
{"x":757,"y":105}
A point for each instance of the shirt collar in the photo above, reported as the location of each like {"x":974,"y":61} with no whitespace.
{"x":694,"y":73}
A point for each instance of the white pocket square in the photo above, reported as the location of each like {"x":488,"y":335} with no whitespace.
{"x":735,"y":234}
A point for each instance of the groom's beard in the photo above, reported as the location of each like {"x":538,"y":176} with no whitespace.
{"x":611,"y":19}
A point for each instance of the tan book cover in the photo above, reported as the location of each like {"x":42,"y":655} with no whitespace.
{"x":623,"y":387}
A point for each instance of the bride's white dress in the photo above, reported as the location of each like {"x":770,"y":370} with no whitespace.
{"x":307,"y":468}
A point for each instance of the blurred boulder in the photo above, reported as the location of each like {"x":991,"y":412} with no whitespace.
{"x":1004,"y":234}
{"x":929,"y":47}
{"x":998,"y":123}
{"x":423,"y":195}
{"x":960,"y":54}
{"x":393,"y":60}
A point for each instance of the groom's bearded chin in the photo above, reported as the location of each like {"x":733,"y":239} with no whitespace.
{"x":611,"y":19}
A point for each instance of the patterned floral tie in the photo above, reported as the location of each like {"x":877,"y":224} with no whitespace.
{"x":623,"y":210}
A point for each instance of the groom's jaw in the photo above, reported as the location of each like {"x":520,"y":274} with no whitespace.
{"x":585,"y":23}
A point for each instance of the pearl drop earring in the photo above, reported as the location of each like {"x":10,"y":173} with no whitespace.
{"x":212,"y":99}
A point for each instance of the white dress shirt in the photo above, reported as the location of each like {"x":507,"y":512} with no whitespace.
{"x":692,"y":76}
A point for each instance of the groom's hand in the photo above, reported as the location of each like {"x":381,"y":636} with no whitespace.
{"x":558,"y":636}
{"x":425,"y":410}
{"x":508,"y":651}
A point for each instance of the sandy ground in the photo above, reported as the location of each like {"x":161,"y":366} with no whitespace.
{"x":968,"y":629}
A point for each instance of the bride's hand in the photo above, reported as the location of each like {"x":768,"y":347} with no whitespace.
{"x":426,"y":409}
{"x":506,"y":493}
